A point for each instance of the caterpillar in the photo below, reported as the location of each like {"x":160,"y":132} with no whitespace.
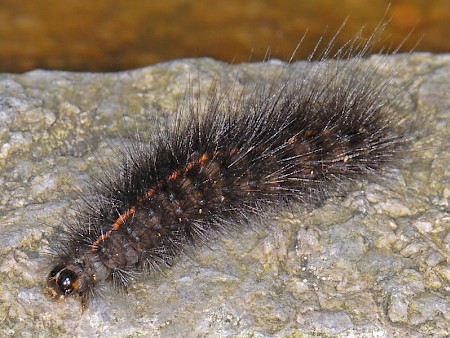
{"x":297,"y":139}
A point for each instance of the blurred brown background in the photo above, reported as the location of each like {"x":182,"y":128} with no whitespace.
{"x":111,"y":35}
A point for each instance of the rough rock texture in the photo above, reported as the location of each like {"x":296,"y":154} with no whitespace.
{"x":373,"y":263}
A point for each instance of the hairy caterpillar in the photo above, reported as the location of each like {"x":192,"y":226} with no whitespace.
{"x":297,"y":139}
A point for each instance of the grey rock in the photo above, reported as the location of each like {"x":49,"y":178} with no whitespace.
{"x":373,"y":263}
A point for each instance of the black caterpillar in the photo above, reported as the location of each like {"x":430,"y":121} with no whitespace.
{"x":290,"y":141}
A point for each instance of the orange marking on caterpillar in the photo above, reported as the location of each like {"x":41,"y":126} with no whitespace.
{"x":130,"y":212}
{"x":149,"y":193}
{"x":203,"y":158}
{"x":234,"y":151}
{"x":174,"y":175}
{"x":122,"y":218}
{"x":292,"y":140}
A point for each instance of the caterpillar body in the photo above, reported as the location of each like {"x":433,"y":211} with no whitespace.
{"x":296,"y":140}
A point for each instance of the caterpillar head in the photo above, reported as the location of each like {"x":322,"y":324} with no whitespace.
{"x":65,"y":280}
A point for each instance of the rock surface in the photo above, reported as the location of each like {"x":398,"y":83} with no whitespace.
{"x":373,"y":263}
